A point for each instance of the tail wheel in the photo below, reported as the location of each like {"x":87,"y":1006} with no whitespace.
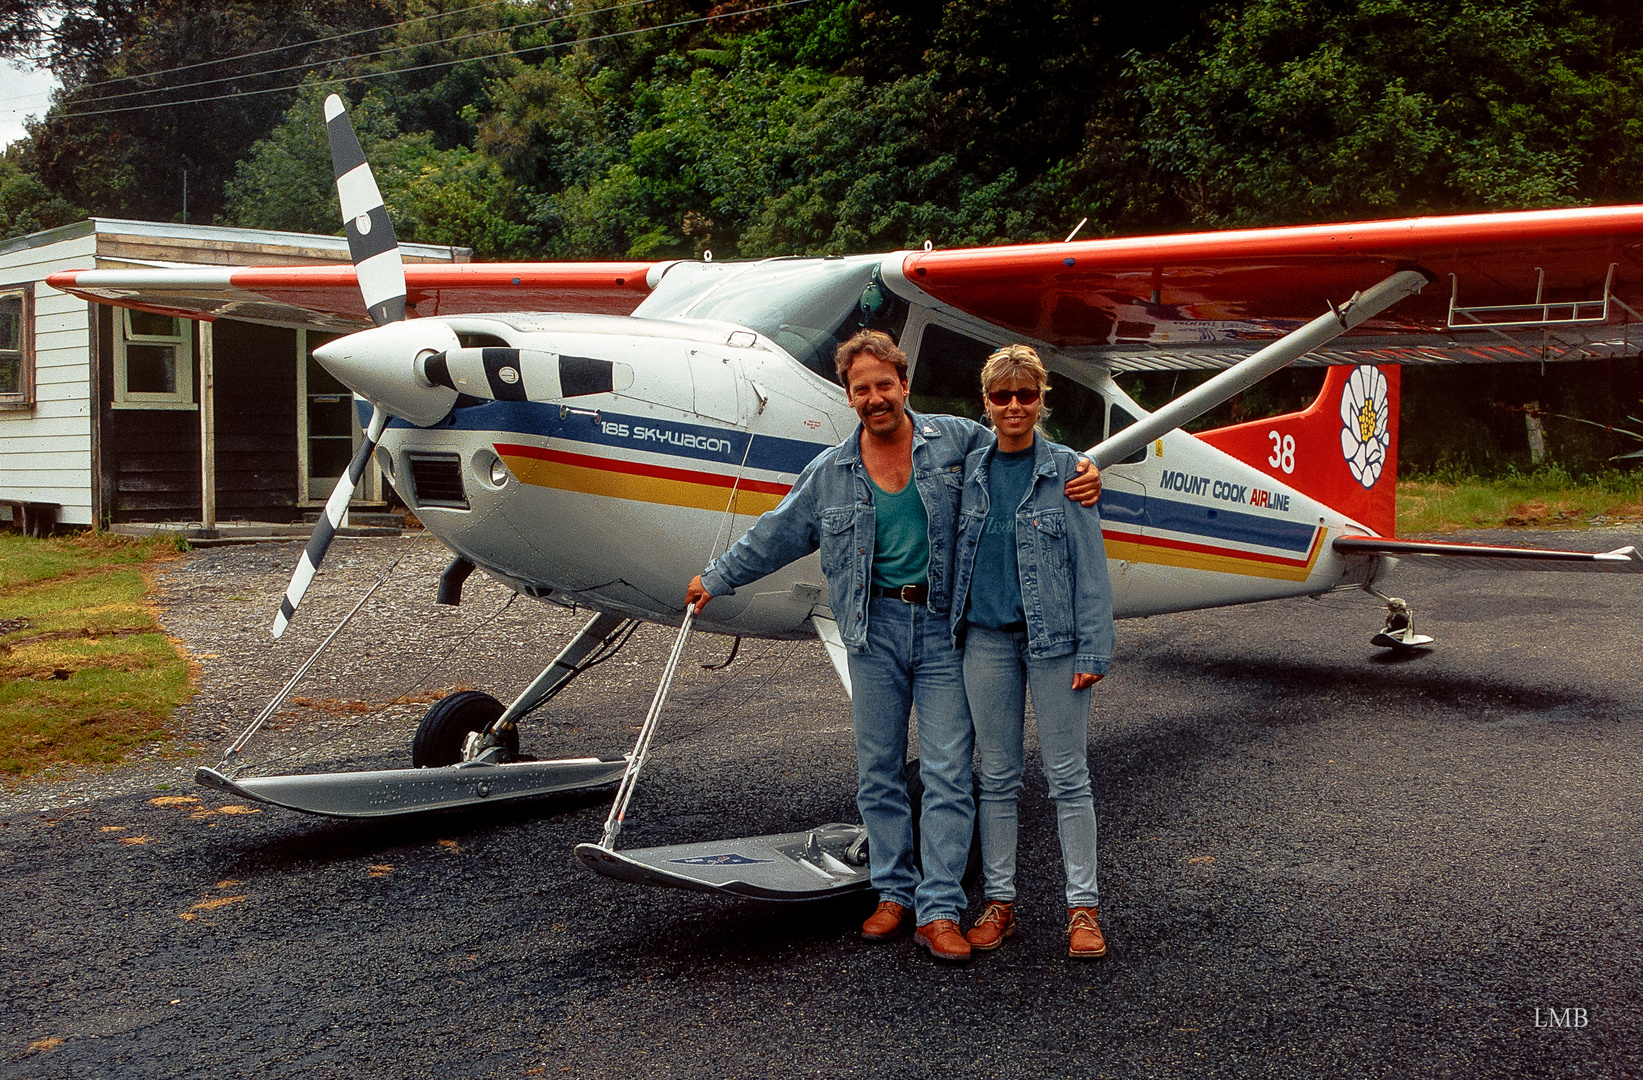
{"x":445,"y":727}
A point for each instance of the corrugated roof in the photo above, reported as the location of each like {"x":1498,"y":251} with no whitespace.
{"x":205,"y":235}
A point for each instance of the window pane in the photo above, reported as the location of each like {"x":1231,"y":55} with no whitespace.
{"x":1075,"y":412}
{"x":11,"y":372}
{"x":11,"y":322}
{"x":330,"y":414}
{"x":947,"y":377}
{"x":327,"y":459}
{"x":151,"y":369}
{"x":148,"y":324}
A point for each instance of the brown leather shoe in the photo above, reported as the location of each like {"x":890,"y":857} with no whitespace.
{"x":888,"y":920}
{"x":1084,"y":938}
{"x":943,"y":941}
{"x":997,"y":922}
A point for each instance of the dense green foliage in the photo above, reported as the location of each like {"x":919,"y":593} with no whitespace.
{"x":601,"y":128}
{"x":654,"y":128}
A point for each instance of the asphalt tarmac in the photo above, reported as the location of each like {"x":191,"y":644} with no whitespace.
{"x":1315,"y":861}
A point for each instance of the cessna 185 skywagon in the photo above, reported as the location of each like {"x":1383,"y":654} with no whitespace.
{"x":592,"y":433}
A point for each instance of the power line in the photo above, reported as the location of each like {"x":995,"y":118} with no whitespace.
{"x":362,"y":56}
{"x":301,"y":44}
{"x":443,"y":64}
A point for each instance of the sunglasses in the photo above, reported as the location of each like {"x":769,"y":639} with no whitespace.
{"x":1026,"y":395}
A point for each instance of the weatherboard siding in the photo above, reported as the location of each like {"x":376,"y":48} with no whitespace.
{"x":45,"y":452}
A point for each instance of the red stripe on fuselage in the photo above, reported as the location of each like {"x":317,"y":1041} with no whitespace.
{"x":636,"y":468}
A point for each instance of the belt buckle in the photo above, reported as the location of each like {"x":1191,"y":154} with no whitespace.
{"x":906,"y":593}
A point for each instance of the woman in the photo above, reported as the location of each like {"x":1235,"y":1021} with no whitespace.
{"x":1032,"y":608}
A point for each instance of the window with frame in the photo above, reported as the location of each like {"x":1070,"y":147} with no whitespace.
{"x":153,"y":357}
{"x":17,"y":348}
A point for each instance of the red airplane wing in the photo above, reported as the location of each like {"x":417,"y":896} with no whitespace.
{"x":329,"y":295}
{"x":1084,"y":293}
{"x":1127,"y":291}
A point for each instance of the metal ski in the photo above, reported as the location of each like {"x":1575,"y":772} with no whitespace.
{"x":829,"y":860}
{"x":386,"y":792}
{"x":824,"y":861}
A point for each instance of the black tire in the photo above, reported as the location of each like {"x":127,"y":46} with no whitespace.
{"x":915,"y":797}
{"x":444,"y":729}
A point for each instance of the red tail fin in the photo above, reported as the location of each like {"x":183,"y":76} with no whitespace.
{"x":1342,"y":450}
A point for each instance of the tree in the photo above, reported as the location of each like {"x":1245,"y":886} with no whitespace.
{"x":26,"y":205}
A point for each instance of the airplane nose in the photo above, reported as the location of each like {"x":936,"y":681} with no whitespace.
{"x":381,"y":365}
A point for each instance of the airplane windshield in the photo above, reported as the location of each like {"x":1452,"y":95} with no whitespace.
{"x":806,"y":306}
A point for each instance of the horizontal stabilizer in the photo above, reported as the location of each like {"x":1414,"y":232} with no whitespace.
{"x":1624,"y":560}
{"x":387,"y":792}
{"x":829,"y":860}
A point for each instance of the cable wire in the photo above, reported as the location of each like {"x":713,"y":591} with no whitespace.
{"x":361,"y":56}
{"x":431,"y":67}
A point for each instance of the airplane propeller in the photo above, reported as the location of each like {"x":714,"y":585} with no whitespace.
{"x":380,"y":272}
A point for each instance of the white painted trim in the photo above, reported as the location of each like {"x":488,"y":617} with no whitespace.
{"x":182,"y":365}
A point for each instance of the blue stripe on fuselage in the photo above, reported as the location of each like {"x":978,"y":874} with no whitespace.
{"x":1234,"y":526}
{"x":699,"y":441}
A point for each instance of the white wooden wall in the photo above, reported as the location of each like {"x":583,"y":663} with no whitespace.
{"x":45,"y":455}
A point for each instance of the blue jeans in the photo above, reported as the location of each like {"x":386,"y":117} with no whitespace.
{"x":997,"y":675}
{"x":910,"y":663}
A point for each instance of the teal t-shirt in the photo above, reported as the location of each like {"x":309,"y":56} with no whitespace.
{"x":901,"y":537}
{"x":995,"y":586}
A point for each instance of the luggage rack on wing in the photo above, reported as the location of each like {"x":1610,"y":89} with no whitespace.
{"x":1541,"y":313}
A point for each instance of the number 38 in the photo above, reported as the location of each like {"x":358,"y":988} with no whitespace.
{"x":1283,"y":452}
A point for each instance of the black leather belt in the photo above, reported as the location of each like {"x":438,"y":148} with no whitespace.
{"x":912,"y":594}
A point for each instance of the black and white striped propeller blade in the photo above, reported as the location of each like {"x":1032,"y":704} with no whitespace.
{"x":336,"y":507}
{"x":381,"y":276}
{"x":371,"y":240}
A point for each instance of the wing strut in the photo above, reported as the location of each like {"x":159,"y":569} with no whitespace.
{"x":1246,"y":373}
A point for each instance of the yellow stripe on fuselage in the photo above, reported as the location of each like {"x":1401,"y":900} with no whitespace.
{"x":637,"y":488}
{"x":1245,"y":566}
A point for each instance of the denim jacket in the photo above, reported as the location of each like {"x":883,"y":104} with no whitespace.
{"x":1065,"y":592}
{"x":830,"y":507}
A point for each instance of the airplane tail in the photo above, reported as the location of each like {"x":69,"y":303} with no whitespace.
{"x":1341,"y":450}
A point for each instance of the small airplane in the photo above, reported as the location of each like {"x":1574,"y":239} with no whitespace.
{"x":594,"y":433}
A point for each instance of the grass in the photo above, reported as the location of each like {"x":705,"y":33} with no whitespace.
{"x":86,"y":673}
{"x":1549,"y":498}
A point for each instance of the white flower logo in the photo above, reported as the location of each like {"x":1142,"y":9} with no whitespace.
{"x":1364,"y":438}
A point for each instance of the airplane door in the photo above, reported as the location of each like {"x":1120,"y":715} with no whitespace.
{"x":1123,"y":509}
{"x":717,"y":380}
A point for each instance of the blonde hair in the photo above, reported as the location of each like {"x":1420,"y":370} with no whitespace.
{"x":1014,"y":361}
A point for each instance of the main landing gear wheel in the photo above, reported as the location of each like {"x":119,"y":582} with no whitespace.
{"x":445,"y":727}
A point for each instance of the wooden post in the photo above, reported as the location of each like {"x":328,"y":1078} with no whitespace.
{"x":1537,"y":433}
{"x":208,"y":431}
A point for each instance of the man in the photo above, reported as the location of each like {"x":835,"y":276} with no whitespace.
{"x":882,"y":507}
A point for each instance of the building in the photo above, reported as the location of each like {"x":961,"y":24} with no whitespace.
{"x":101,"y":417}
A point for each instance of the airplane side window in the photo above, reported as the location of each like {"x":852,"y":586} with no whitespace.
{"x":947,"y":379}
{"x":1121,"y":419}
{"x":1076,"y":413}
{"x":947,"y":375}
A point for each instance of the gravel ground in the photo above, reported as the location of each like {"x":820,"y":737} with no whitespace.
{"x":1315,"y":860}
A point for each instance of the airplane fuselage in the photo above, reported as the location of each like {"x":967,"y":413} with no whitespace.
{"x":604,"y":460}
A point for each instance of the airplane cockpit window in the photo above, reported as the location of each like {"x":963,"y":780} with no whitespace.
{"x":947,"y":379}
{"x":1122,"y":419}
{"x":807,"y":306}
